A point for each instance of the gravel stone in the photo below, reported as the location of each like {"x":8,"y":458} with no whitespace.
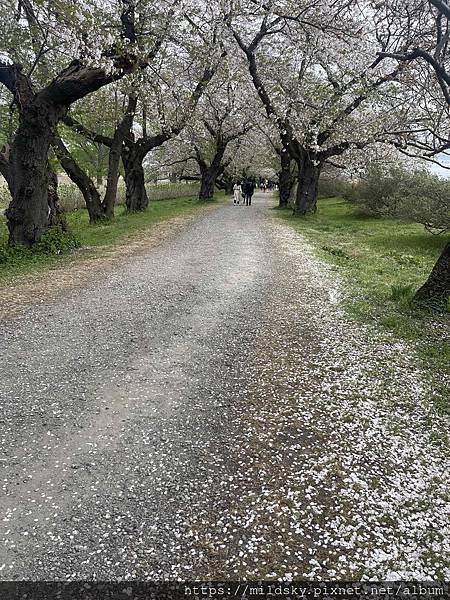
{"x":206,"y":410}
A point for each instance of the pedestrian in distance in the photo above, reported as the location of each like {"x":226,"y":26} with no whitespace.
{"x":245,"y":190}
{"x":249,"y":190}
{"x":237,"y":193}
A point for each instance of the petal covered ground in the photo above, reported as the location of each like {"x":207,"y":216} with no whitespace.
{"x":205,"y":410}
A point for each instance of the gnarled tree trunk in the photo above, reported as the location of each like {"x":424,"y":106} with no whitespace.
{"x":207,"y":184}
{"x":112,"y":182}
{"x":210,"y":172}
{"x":285,"y":179}
{"x":81,"y":180}
{"x":123,"y":129}
{"x":308,"y":184}
{"x":56,"y":214}
{"x":136,"y":194}
{"x":28,"y":214}
{"x":436,"y":290}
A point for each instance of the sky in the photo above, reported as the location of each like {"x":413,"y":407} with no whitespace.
{"x":440,"y":170}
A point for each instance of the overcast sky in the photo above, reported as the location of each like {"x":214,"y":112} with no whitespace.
{"x":439,"y":170}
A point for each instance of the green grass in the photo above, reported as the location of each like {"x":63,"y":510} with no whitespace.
{"x":22,"y":261}
{"x":384,"y":262}
{"x":124,"y":225}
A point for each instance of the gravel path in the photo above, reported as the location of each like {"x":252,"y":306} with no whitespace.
{"x":204,"y":410}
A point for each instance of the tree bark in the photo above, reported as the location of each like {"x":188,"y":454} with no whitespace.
{"x":285,"y":179}
{"x":210,"y":172}
{"x":136,"y":194}
{"x":436,"y":290}
{"x":123,"y":129}
{"x":28,"y":213}
{"x":81,"y":180}
{"x":308,"y":183}
{"x":112,"y":180}
{"x":207,"y":185}
{"x":56,"y":214}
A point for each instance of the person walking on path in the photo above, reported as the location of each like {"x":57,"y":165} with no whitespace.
{"x":237,"y":193}
{"x":249,"y":190}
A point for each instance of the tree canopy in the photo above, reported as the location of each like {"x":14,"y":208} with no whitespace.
{"x":103,"y":87}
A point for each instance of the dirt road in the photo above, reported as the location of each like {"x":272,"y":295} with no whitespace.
{"x":205,"y":410}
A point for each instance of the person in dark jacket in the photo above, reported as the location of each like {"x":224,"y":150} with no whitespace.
{"x":249,"y":190}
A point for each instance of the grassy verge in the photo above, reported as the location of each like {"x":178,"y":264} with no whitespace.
{"x":384,"y":261}
{"x":56,"y":250}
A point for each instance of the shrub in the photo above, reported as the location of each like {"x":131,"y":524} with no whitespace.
{"x":70,"y":197}
{"x":166,"y":191}
{"x":6,"y":252}
{"x":55,"y":241}
{"x":412,"y":196}
{"x":329,"y":187}
{"x":12,"y":253}
{"x":334,"y":187}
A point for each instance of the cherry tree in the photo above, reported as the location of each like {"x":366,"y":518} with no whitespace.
{"x":162,"y":100}
{"x":98,"y":208}
{"x":422,"y":33}
{"x":256,"y":157}
{"x":212,"y":139}
{"x":217,"y":134}
{"x":319,"y":74}
{"x":105,"y":40}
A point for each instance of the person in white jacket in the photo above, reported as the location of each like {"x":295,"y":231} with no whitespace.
{"x":237,"y":192}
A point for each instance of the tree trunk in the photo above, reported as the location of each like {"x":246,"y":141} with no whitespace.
{"x":99,"y":169}
{"x":112,"y":181}
{"x":81,"y":180}
{"x":308,"y":183}
{"x":123,"y":129}
{"x":28,"y":213}
{"x":208,"y":182}
{"x":285,"y":179}
{"x":56,"y":214}
{"x":436,"y":290}
{"x":136,"y":194}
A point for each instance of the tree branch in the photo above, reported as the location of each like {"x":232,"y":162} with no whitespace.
{"x":87,"y":133}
